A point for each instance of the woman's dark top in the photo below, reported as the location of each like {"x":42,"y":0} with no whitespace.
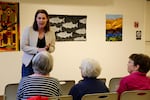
{"x":41,"y":42}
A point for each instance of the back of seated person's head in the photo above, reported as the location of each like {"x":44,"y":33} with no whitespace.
{"x":42,"y":63}
{"x":90,"y":68}
{"x":142,"y":60}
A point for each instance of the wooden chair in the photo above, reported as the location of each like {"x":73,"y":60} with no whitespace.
{"x":103,"y":79}
{"x":10,"y":91}
{"x":114,"y":84}
{"x":135,"y":95}
{"x":66,"y":85}
{"x":1,"y":97}
{"x":101,"y":96}
{"x":63,"y":97}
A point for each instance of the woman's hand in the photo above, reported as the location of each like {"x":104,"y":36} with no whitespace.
{"x":44,"y":49}
{"x":47,"y":47}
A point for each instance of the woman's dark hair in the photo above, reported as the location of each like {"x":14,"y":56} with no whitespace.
{"x":142,"y":60}
{"x":35,"y":26}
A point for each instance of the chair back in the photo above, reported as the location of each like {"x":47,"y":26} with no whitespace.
{"x":66,"y":85}
{"x":63,"y":97}
{"x":1,"y":97}
{"x":103,"y":79}
{"x":100,"y":96}
{"x":114,"y":84}
{"x":10,"y":91}
{"x":135,"y":95}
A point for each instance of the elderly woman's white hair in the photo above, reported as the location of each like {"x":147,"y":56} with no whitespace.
{"x":90,"y":68}
{"x":42,"y":63}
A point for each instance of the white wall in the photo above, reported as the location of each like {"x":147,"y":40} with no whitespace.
{"x":113,"y":56}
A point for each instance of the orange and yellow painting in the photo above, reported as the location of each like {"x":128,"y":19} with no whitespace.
{"x":9,"y":26}
{"x":114,"y":27}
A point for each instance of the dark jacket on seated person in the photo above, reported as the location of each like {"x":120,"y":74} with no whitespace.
{"x":90,"y":70}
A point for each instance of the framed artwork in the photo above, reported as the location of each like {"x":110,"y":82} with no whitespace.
{"x":138,"y":34}
{"x":9,"y":26}
{"x":68,"y":27}
{"x":114,"y":27}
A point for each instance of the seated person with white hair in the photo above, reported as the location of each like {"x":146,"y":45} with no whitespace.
{"x":40,"y":83}
{"x":90,"y":70}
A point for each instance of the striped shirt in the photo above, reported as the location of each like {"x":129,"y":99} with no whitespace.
{"x":38,"y":86}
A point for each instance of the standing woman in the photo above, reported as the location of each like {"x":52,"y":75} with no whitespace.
{"x":35,"y":39}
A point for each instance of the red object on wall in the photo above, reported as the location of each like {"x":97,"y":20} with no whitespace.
{"x":136,"y":24}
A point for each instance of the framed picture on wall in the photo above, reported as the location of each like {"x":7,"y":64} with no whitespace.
{"x":114,"y":27}
{"x":9,"y":26}
{"x":68,"y":27}
{"x":138,"y":34}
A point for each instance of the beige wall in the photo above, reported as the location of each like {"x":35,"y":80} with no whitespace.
{"x":147,"y":28}
{"x":147,"y":23}
{"x":113,"y":56}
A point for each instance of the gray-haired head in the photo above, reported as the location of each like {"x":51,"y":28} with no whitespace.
{"x":90,"y":68}
{"x":42,"y":63}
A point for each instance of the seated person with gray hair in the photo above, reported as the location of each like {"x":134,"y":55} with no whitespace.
{"x":90,"y":70}
{"x":40,"y":83}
